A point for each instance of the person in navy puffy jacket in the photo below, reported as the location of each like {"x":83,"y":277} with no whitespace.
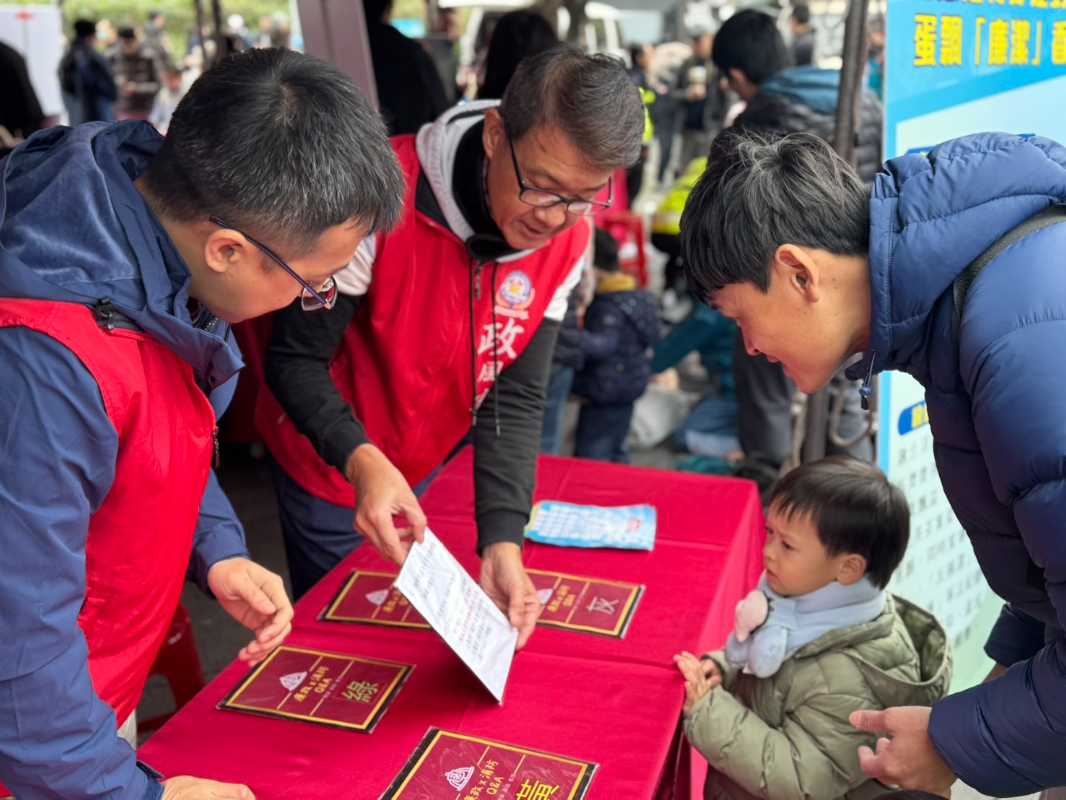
{"x":621,"y":328}
{"x":782,"y":236}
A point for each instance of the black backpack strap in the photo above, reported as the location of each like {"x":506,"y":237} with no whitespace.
{"x":1052,"y":215}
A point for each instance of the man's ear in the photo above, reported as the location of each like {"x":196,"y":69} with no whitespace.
{"x":795,"y":268}
{"x":224,"y":249}
{"x":492,"y":136}
{"x":740,"y":83}
{"x":851,"y":569}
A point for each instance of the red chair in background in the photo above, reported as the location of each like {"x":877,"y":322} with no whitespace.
{"x":179,"y":663}
{"x":628,"y":230}
{"x":626,"y":227}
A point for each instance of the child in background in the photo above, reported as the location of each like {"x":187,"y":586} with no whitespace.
{"x":621,"y":328}
{"x":819,"y":639}
{"x":710,"y":429}
{"x":166,"y":102}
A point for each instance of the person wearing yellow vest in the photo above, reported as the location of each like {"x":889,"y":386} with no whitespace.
{"x":666,"y":224}
{"x":650,"y":90}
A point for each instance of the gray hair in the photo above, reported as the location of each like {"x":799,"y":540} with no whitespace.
{"x":760,"y":192}
{"x":590,"y":98}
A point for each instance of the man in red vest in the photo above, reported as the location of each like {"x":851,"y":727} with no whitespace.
{"x":445,"y":326}
{"x":123,"y":259}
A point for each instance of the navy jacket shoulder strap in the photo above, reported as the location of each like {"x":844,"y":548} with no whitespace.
{"x":1050,"y":216}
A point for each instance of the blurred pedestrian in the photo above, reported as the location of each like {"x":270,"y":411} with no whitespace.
{"x":88,"y":87}
{"x":137,"y":76}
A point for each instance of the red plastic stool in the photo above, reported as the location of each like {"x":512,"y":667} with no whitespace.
{"x":628,"y":228}
{"x":179,"y":663}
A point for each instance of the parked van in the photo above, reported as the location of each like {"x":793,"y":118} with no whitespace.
{"x":602,"y":31}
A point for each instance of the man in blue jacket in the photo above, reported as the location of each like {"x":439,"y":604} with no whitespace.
{"x":782,"y":236}
{"x":751,"y":53}
{"x":123,"y":258}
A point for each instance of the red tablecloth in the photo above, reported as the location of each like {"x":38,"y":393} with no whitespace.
{"x":615,"y":702}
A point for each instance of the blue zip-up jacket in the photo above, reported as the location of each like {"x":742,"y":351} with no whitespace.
{"x":996,"y":396}
{"x":73,"y":228}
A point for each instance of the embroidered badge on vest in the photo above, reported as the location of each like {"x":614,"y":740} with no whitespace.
{"x":515,"y":295}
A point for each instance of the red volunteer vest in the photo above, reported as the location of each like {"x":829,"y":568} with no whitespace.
{"x":140,"y":539}
{"x":409,"y":360}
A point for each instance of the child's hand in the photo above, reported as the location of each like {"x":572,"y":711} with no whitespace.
{"x":697,"y":684}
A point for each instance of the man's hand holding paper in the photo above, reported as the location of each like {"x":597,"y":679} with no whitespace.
{"x":505,"y":581}
{"x":457,"y":608}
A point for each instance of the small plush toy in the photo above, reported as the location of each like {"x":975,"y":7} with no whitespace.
{"x":751,"y":613}
{"x":757,"y":645}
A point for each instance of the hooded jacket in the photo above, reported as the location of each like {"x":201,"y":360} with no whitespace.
{"x":621,"y":328}
{"x":73,"y":229}
{"x":787,"y":737}
{"x":804,"y":100}
{"x":994,"y":392}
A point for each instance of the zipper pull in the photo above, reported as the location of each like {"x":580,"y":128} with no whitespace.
{"x":217,"y":457}
{"x":104,"y":312}
{"x":866,"y":390}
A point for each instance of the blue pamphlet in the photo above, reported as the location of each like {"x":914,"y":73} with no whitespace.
{"x":570,"y":525}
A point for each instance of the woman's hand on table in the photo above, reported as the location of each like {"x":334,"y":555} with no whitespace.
{"x":504,"y":579}
{"x":188,"y":788}
{"x":382,"y":493}
{"x":256,"y":598}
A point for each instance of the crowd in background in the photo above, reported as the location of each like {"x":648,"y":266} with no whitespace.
{"x":110,"y":73}
{"x":626,"y":345}
{"x":757,"y":72}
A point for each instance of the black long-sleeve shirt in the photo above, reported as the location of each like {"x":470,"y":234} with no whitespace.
{"x":304,"y":344}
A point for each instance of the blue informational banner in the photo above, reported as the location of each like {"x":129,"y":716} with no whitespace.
{"x":955,"y":68}
{"x":963,"y":67}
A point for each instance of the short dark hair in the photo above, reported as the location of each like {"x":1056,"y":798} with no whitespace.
{"x":84,"y":28}
{"x":375,"y":10}
{"x":750,"y":41}
{"x":854,"y":508}
{"x":516,"y":36}
{"x":590,"y":98}
{"x":280,"y":144}
{"x":761,"y":191}
{"x":801,"y":12}
{"x":127,"y":33}
{"x":604,"y":251}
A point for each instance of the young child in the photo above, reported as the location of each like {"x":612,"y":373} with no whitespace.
{"x":621,"y":327}
{"x":819,"y":639}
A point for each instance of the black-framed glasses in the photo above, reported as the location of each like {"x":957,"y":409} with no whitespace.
{"x":541,"y":198}
{"x":311,"y":299}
